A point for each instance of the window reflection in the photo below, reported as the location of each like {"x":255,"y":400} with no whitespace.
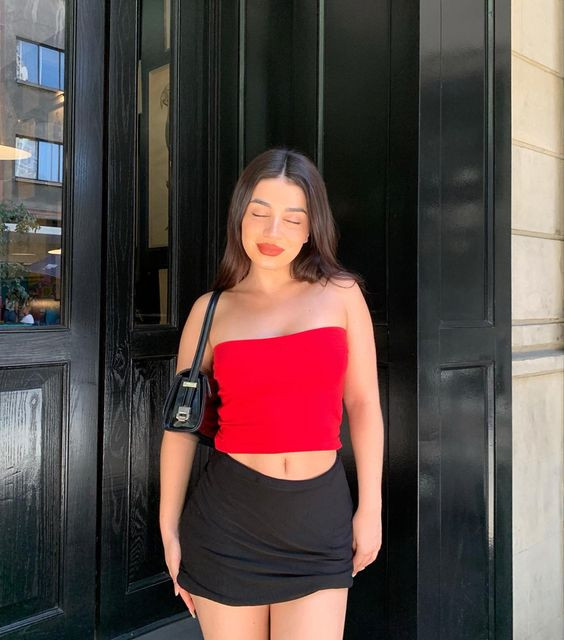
{"x":45,"y":161}
{"x":39,"y":64}
{"x":31,"y":162}
{"x":154,"y":106}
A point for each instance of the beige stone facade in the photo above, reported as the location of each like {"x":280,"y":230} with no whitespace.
{"x":538,"y":317}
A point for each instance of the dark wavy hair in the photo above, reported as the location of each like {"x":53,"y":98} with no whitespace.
{"x":317,"y":258}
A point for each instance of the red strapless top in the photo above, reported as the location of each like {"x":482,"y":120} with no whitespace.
{"x":283,"y":393}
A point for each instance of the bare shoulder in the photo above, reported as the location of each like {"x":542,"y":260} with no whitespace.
{"x":201,"y":302}
{"x":349,"y":294}
{"x":197,"y":313}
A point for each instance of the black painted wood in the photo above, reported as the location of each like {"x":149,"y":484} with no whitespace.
{"x":407,"y":166}
{"x":382,"y":166}
{"x":226,"y":157}
{"x":465,"y":574}
{"x":31,"y":544}
{"x":135,"y":588}
{"x":401,"y":471}
{"x":279,"y":75}
{"x":355,"y":113}
{"x":49,"y":387}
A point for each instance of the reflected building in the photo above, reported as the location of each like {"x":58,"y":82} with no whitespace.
{"x":32,"y":81}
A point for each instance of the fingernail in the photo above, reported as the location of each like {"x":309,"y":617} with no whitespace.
{"x":353,"y":575}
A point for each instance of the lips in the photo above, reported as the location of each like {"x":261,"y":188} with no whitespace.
{"x":269,"y":249}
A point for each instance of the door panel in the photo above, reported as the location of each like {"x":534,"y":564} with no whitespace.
{"x":405,"y":141}
{"x":32,"y":428}
{"x":53,"y":94}
{"x":305,"y":66}
{"x":157,"y":256}
{"x":421,"y":201}
{"x":465,"y":322}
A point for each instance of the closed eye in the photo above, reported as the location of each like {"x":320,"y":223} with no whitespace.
{"x":260,"y":215}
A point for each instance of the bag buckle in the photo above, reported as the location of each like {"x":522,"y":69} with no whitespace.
{"x":183,"y":414}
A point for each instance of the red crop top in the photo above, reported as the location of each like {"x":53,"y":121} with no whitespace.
{"x":282,"y":393}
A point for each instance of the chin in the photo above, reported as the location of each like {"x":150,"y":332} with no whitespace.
{"x":271,"y":262}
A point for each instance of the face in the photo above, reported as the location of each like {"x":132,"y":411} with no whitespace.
{"x":275,"y":224}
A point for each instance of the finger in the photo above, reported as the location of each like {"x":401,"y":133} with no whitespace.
{"x":360,"y":561}
{"x":356,"y":564}
{"x":188,"y":601}
{"x":360,"y":568}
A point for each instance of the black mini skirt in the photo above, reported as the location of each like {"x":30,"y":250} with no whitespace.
{"x":247,"y":538}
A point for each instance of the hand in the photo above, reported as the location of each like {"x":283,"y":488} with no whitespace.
{"x":187,"y":601}
{"x":367,"y":538}
{"x":172,"y":559}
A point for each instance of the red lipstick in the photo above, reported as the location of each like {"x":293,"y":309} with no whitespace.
{"x":269,"y":249}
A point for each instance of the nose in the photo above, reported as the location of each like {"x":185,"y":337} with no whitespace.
{"x":272,"y":226}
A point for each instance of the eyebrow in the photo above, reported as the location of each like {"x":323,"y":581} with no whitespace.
{"x":266,"y":204}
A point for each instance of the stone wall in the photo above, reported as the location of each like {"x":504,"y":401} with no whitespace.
{"x":538,"y":317}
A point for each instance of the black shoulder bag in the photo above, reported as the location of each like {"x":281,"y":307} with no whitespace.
{"x":191,"y":402}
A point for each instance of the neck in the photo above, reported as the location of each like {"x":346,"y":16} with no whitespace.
{"x":269,"y":282}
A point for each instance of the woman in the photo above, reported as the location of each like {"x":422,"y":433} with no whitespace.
{"x":267,"y":545}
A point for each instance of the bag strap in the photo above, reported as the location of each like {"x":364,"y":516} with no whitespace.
{"x":206,"y":325}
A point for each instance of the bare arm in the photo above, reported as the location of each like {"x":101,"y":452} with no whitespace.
{"x":178,"y":449}
{"x":362,"y":401}
{"x":177,"y":455}
{"x":366,"y":426}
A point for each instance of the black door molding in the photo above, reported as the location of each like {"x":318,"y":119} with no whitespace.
{"x":464,"y":322}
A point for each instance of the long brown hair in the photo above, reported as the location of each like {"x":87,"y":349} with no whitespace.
{"x":317,"y":259}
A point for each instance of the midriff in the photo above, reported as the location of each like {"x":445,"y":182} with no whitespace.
{"x":293,"y":465}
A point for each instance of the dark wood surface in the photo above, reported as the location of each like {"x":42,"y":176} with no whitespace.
{"x":465,"y":574}
{"x":51,"y":380}
{"x":135,"y":588}
{"x":406,"y":180}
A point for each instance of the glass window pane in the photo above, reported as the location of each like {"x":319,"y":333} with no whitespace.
{"x":44,"y":160}
{"x":26,"y":62}
{"x":27,"y":167}
{"x":57,"y":163}
{"x":49,"y":67}
{"x":48,"y":168}
{"x":152,"y":250}
{"x":61,"y":69}
{"x":31,"y":122}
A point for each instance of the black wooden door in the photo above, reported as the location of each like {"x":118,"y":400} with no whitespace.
{"x":405,"y":109}
{"x":157,"y":257}
{"x":405,"y":129}
{"x":337,"y":80}
{"x":51,"y":104}
{"x":465,"y":548}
